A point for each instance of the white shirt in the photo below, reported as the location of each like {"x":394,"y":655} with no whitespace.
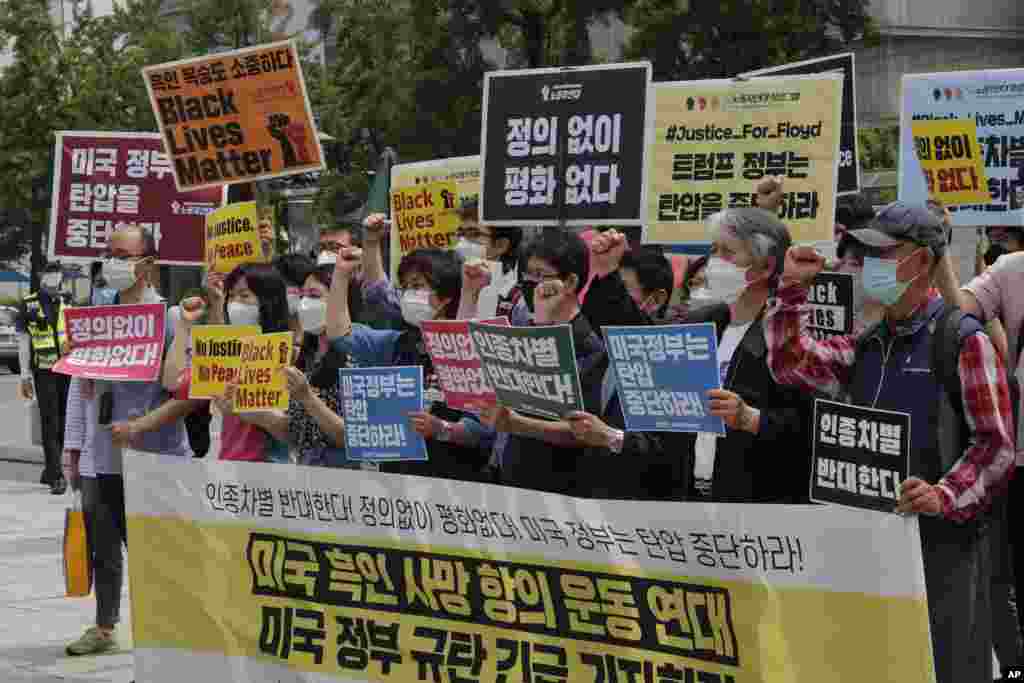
{"x":501,"y":285}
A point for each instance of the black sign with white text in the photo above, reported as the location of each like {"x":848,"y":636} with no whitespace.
{"x":830,"y":300}
{"x":564,"y":144}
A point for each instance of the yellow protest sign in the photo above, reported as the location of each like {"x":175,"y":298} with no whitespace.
{"x":951,"y":160}
{"x":261,"y":385}
{"x":424,"y":216}
{"x":714,"y":140}
{"x":216,"y":357}
{"x":232,"y":238}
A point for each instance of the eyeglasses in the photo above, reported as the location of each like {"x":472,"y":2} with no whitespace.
{"x":333,"y":247}
{"x":537,"y":277}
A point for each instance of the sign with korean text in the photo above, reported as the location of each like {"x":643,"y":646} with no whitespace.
{"x":712,"y":141}
{"x":531,"y":369}
{"x":262,"y":386}
{"x":993,"y":101}
{"x":216,"y":357}
{"x":565,"y":144}
{"x":951,"y":161}
{"x":830,"y":305}
{"x":849,"y":165}
{"x":456,"y":364}
{"x":235,"y":117}
{"x":376,"y":403}
{"x":425,"y":215}
{"x":464,"y":172}
{"x":119,"y":343}
{"x":342,"y":575}
{"x":663,"y":374}
{"x":102,"y":179}
{"x":232,"y":238}
{"x":861,"y":455}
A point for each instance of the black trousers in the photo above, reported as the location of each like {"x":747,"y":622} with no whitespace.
{"x":52,"y":395}
{"x":103,"y":504}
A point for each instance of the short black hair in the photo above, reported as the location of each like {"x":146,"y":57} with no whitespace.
{"x":854,"y":211}
{"x":294,"y":268}
{"x":565,"y":251}
{"x":653,"y":270}
{"x":442,"y":270}
{"x":514,"y":236}
{"x":269,"y":287}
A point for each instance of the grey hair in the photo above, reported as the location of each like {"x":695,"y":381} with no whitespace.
{"x":144,"y":232}
{"x":764,"y":234}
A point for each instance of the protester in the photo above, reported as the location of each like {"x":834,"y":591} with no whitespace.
{"x":430,"y":280}
{"x":333,"y":239}
{"x":962,"y":447}
{"x":294,"y":268}
{"x":99,"y":293}
{"x":487,"y":243}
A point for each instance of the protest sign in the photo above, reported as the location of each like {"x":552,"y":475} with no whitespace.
{"x":235,"y":116}
{"x":284,"y":573}
{"x":456,"y":363}
{"x":565,"y":144}
{"x":531,"y":369}
{"x":425,"y":215}
{"x":663,"y":374}
{"x":261,"y":384}
{"x":464,"y":172}
{"x":216,"y":357}
{"x":861,"y":455}
{"x":376,"y":403}
{"x":830,"y":304}
{"x":232,"y":238}
{"x":951,"y":161}
{"x":992,"y":99}
{"x":102,"y":179}
{"x":712,"y":141}
{"x":849,"y":161}
{"x":120,"y":343}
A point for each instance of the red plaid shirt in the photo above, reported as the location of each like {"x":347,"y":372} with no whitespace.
{"x":985,"y":468}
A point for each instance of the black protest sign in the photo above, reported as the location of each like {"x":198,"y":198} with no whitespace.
{"x":564,"y":145}
{"x":531,"y":369}
{"x":830,"y":300}
{"x":849,"y":164}
{"x":861,"y":455}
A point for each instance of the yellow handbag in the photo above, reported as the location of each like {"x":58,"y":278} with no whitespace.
{"x":77,"y":564}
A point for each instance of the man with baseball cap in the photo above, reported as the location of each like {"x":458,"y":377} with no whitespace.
{"x":962,"y":446}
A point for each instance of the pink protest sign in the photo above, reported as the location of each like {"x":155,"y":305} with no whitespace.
{"x":456,"y":364}
{"x":120,"y":343}
{"x":103,"y":179}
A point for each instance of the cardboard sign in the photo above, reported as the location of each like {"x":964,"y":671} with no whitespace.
{"x":531,"y":369}
{"x":456,"y":363}
{"x":103,"y":179}
{"x":565,"y":145}
{"x":216,"y":357}
{"x":712,"y":141}
{"x":849,"y":160}
{"x":122,"y":343}
{"x":235,"y":117}
{"x":261,"y":384}
{"x":376,"y":403}
{"x":951,"y":161}
{"x":992,"y":101}
{"x":830,"y":304}
{"x":861,"y":455}
{"x":232,"y":238}
{"x":663,"y":374}
{"x":424,"y":215}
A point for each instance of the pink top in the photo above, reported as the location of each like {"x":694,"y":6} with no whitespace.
{"x":998,"y":291}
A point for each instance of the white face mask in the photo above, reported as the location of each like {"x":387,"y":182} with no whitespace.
{"x":700,"y":295}
{"x":327,"y":258}
{"x":416,"y":306}
{"x":293,"y":301}
{"x":243,"y":314}
{"x":119,"y":274}
{"x":312,"y":314}
{"x":726,"y":281}
{"x":470,"y":251}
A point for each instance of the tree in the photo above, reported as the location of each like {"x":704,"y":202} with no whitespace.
{"x":693,"y":39}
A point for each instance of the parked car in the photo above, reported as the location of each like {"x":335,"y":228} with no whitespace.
{"x":9,"y":339}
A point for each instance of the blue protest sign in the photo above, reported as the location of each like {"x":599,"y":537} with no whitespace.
{"x":663,"y":374}
{"x":376,"y":403}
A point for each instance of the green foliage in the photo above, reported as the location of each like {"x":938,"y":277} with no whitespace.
{"x":879,"y":148}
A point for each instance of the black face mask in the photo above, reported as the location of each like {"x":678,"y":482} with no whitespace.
{"x":528,"y":288}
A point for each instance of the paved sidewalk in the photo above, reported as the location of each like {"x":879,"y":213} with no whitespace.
{"x":36,"y":621}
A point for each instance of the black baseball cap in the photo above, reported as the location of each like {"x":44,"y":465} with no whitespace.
{"x":901,"y":222}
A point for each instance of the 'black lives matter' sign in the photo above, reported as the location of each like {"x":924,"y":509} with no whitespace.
{"x":830,"y":303}
{"x":564,"y":145}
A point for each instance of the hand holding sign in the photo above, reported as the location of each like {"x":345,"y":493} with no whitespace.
{"x":920,"y":497}
{"x":802,"y":265}
{"x":425,"y":424}
{"x":607,"y":250}
{"x":589,"y":429}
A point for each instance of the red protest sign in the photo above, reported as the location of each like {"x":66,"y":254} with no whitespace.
{"x":121,"y":343}
{"x":456,"y":364}
{"x":102,"y":179}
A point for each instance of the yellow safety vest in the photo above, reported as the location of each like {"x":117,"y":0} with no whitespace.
{"x":46,"y":342}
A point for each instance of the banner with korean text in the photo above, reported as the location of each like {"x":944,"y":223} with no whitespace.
{"x":376,"y":403}
{"x":712,"y":141}
{"x":101,"y":179}
{"x":262,"y":385}
{"x":988,"y":106}
{"x":120,"y":343}
{"x":284,"y":573}
{"x":234,"y":117}
{"x":216,"y":357}
{"x":456,"y":363}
